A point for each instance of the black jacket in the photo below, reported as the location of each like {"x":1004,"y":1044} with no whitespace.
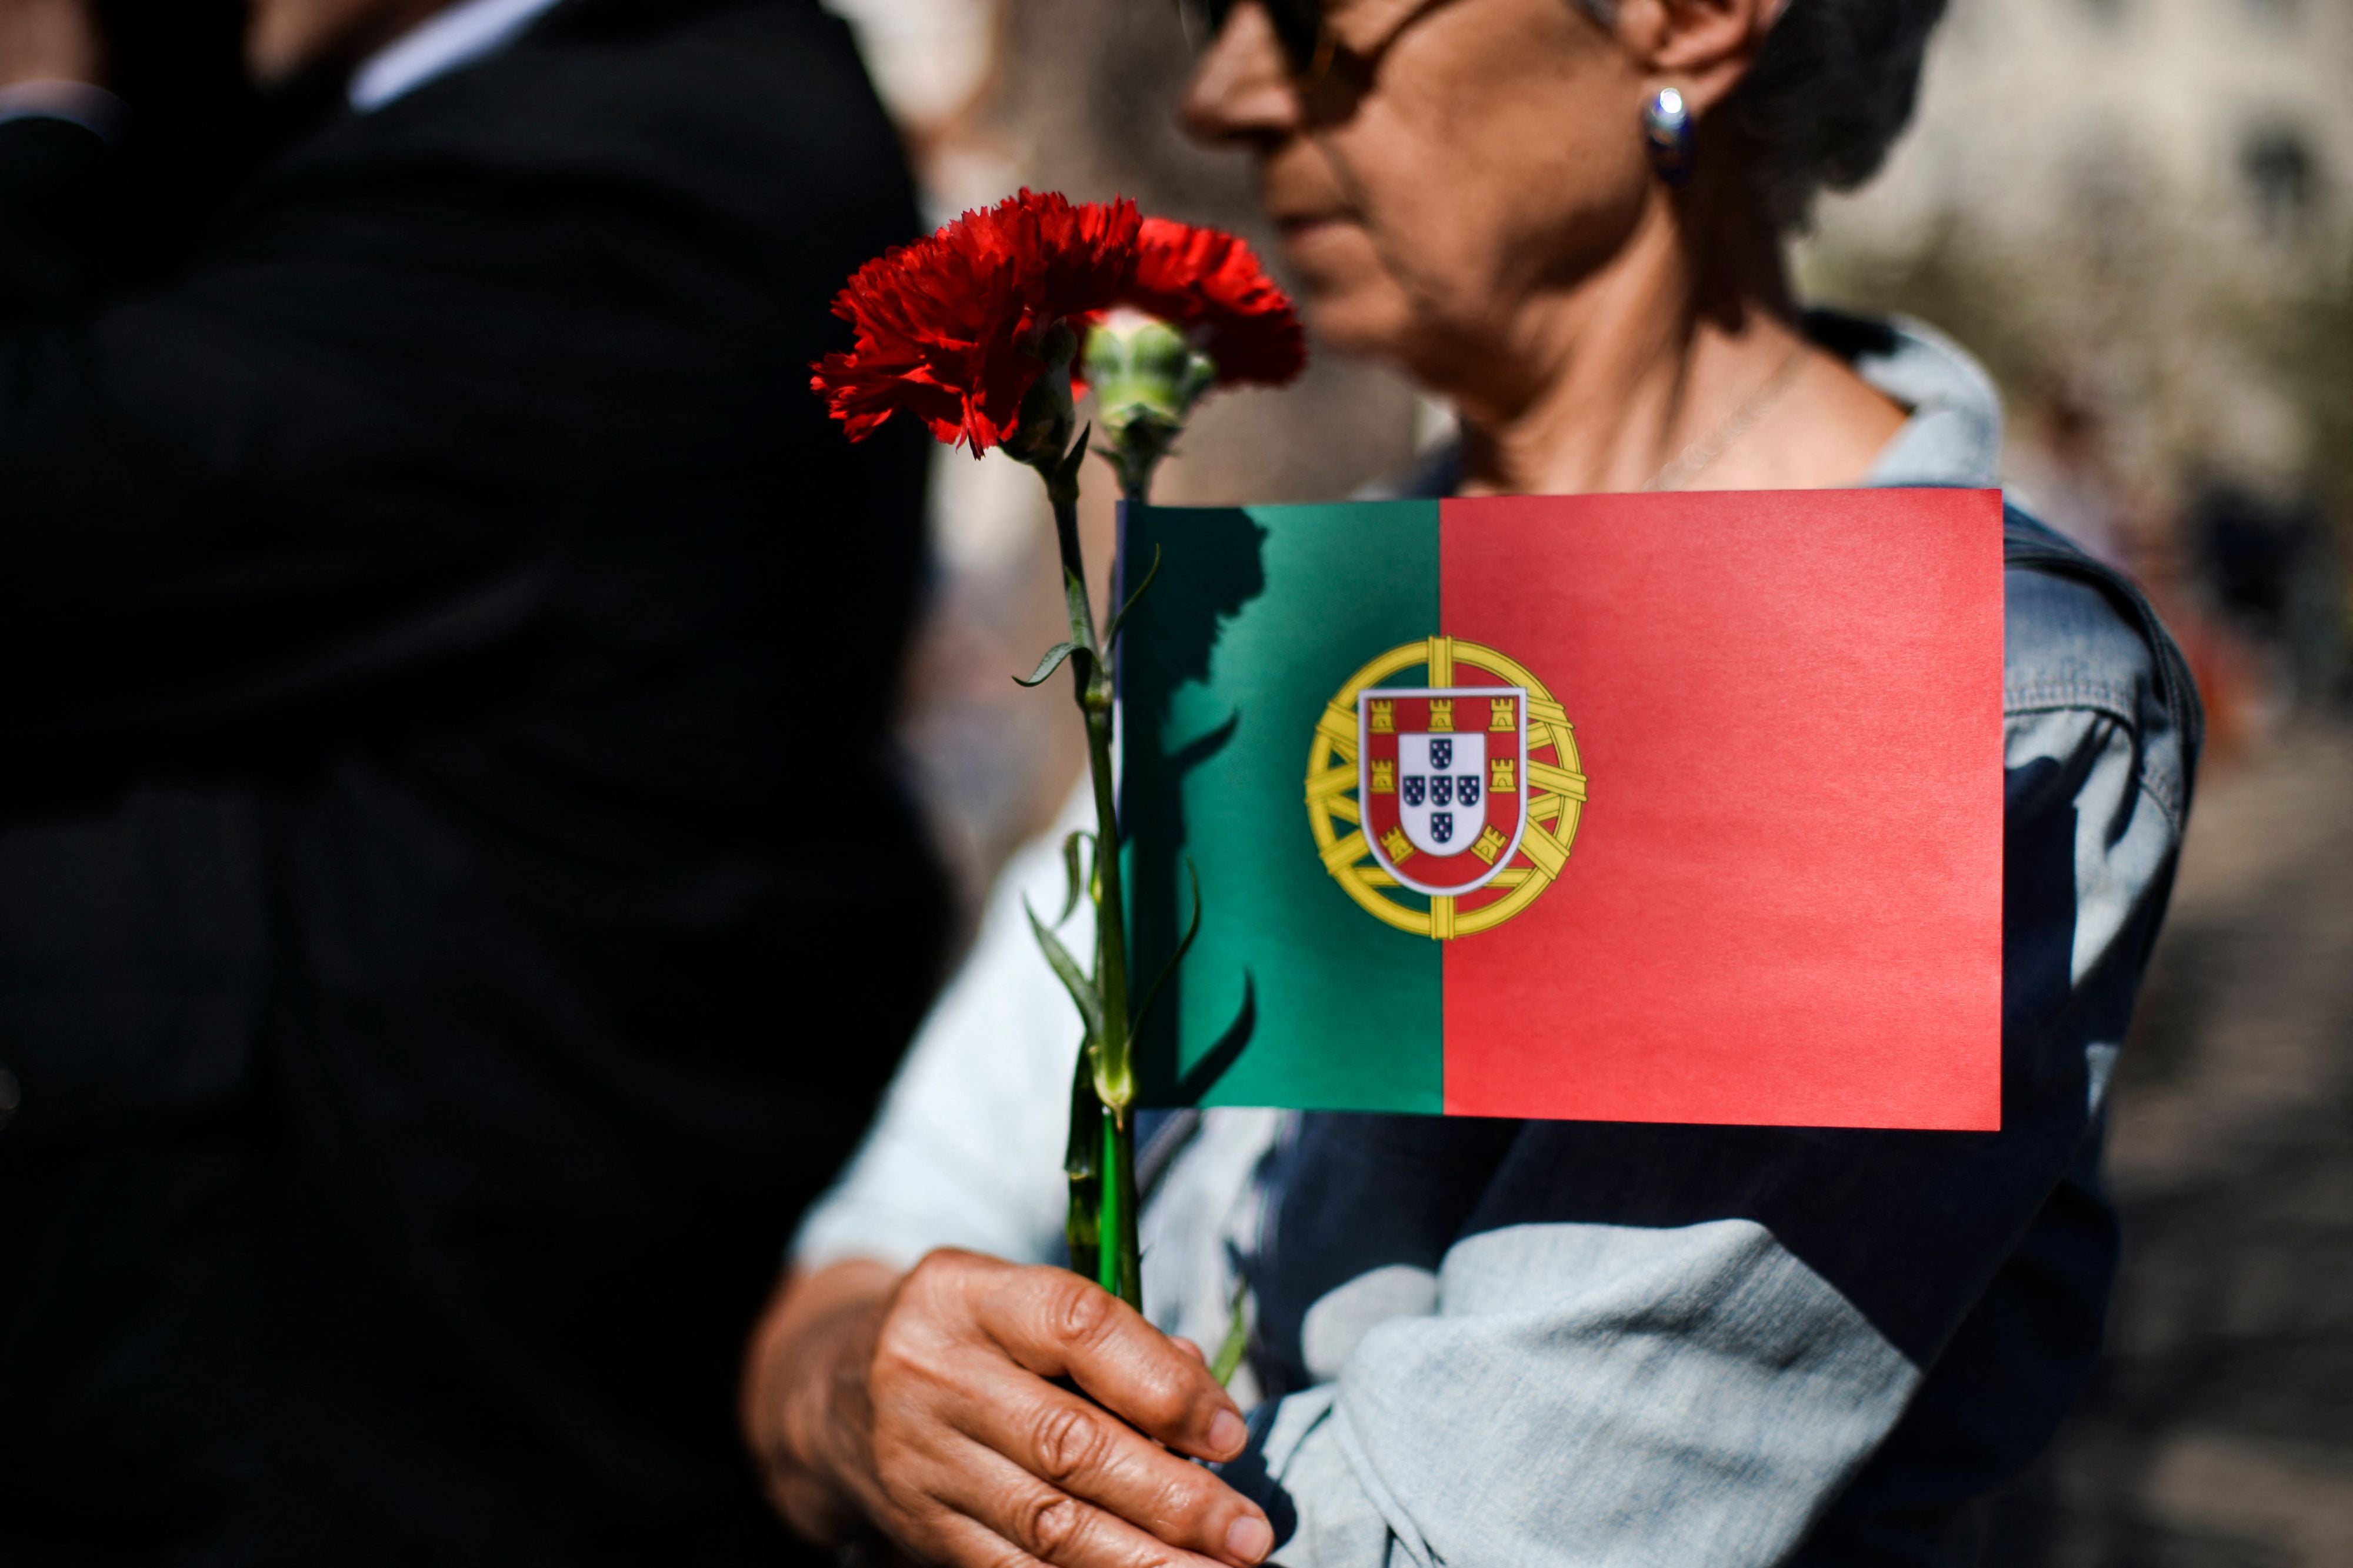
{"x":455,"y":905}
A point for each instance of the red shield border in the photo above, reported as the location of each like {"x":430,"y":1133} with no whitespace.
{"x":1408,"y":709}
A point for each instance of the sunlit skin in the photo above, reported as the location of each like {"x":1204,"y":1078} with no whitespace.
{"x":1476,"y":205}
{"x":920,"y":1401}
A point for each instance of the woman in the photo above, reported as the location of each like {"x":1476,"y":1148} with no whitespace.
{"x":1489,"y":1343}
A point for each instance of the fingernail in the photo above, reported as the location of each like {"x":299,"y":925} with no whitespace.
{"x":1249,"y":1537}
{"x":1227,"y":1433}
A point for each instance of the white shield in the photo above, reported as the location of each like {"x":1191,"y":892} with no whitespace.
{"x":1442,"y":791}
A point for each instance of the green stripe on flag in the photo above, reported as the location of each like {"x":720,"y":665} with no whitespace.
{"x":1292,"y":996}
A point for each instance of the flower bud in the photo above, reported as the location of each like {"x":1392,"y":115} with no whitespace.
{"x":1147,"y":377}
{"x":1143,"y":369}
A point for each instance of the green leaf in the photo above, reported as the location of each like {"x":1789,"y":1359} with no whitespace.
{"x":1111,"y":634}
{"x":1066,"y":969}
{"x":1177,"y":957}
{"x":1079,"y":882}
{"x":1048,"y":664}
{"x":1082,"y":1229}
{"x":1068,"y":472}
{"x":1229,"y":1359}
{"x":1083,"y":1159}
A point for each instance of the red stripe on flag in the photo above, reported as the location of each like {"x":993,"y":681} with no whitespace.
{"x":1783,"y":905}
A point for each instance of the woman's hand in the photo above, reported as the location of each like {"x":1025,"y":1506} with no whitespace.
{"x":921,"y":1400}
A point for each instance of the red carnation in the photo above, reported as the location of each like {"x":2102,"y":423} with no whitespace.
{"x":1210,"y":286}
{"x":980,"y":331}
{"x":947,"y":327}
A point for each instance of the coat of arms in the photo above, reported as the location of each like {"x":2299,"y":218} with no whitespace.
{"x":1465,"y":790}
{"x":1439,"y":783}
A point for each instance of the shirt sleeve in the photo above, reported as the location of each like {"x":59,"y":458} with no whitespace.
{"x":1673,"y":1344}
{"x":968,"y":1150}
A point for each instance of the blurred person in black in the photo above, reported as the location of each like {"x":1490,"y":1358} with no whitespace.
{"x":456,"y":908}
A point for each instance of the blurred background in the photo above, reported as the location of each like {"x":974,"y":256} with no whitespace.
{"x":2139,"y":213}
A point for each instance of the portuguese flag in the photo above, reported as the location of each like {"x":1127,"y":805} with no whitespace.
{"x":1678,"y":807}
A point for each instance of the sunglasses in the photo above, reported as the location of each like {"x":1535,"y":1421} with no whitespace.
{"x":1310,"y":41}
{"x":1299,"y":28}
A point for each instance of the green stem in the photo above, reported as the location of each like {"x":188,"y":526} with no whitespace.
{"x":1119,"y":1259}
{"x":1114,"y":1073}
{"x":1118,"y":1267}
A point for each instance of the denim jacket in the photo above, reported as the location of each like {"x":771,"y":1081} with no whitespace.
{"x":1497,"y":1342}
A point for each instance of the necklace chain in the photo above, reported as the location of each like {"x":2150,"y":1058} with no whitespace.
{"x":1693,"y":461}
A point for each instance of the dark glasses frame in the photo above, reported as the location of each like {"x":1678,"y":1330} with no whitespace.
{"x":1310,"y":45}
{"x":1306,"y":38}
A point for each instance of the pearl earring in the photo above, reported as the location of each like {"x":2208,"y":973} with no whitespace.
{"x":1667,"y":132}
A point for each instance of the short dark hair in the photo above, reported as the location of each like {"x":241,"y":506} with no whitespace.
{"x":1833,"y":89}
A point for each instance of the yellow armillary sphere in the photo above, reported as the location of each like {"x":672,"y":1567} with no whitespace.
{"x":1445,"y":807}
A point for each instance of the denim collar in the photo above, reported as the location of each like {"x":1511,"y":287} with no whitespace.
{"x":1954,"y":434}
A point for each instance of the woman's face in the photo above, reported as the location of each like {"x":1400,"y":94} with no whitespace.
{"x":1458,"y":160}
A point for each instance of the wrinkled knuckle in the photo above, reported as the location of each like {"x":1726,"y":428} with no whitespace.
{"x":934,"y":1273}
{"x":1068,"y":1442}
{"x":1080,"y":1313}
{"x":1187,"y":1498}
{"x":1168,"y":1402}
{"x":1052,"y":1525}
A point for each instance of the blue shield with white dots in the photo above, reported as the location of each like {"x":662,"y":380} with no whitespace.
{"x":1440,"y":803}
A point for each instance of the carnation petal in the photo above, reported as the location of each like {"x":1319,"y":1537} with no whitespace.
{"x":943,"y":324}
{"x":1211,"y":285}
